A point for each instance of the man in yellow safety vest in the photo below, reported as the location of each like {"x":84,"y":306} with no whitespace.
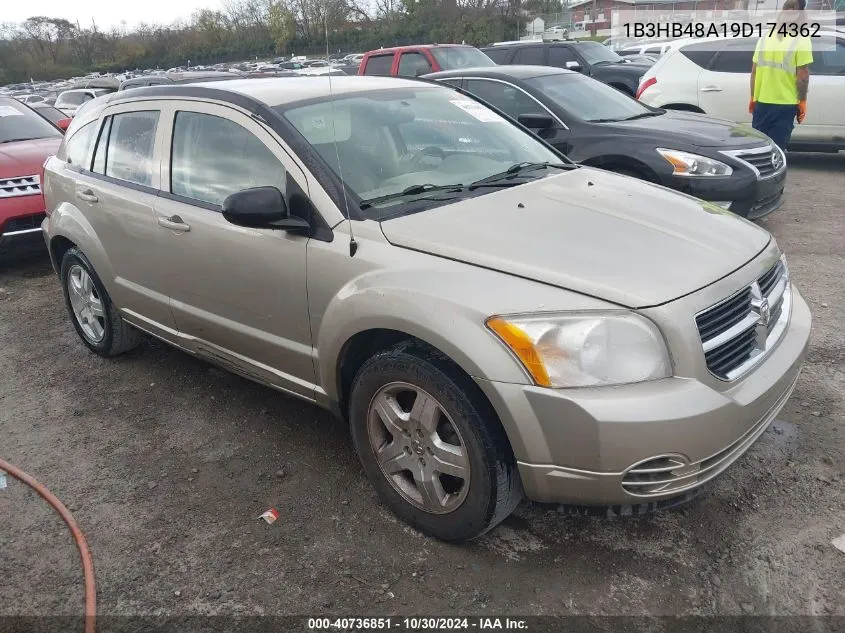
{"x":780,"y":76}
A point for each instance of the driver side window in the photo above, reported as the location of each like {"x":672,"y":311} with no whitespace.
{"x":508,"y":98}
{"x":213,"y":157}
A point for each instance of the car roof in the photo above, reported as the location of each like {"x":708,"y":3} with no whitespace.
{"x":273,"y":91}
{"x":393,"y":49}
{"x":516,"y":71}
{"x":539,"y":43}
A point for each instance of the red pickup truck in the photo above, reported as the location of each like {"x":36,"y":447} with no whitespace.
{"x":413,"y":61}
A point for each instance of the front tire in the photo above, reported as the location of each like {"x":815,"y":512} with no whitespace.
{"x":94,"y":317}
{"x":430,"y":444}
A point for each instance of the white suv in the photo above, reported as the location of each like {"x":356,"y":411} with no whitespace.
{"x":712,"y":76}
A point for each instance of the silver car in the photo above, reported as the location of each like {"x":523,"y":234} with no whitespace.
{"x":492,"y":320}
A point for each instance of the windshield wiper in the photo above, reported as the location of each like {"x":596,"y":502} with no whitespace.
{"x":641,"y":115}
{"x":15,"y":140}
{"x":515,"y":170}
{"x":413,"y":190}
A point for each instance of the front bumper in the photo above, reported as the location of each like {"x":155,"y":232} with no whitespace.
{"x":749,"y":197}
{"x":20,"y":222}
{"x":581,"y":446}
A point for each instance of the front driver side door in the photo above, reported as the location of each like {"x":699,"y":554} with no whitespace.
{"x":238,"y":295}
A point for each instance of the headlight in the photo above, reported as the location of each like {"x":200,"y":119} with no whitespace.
{"x":686,"y":164}
{"x":585,"y":349}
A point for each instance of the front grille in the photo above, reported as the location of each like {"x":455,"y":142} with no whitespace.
{"x":736,"y":333}
{"x":23,"y":186}
{"x":24,"y":224}
{"x":765,"y":161}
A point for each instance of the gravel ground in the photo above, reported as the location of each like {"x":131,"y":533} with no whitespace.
{"x":167,"y":461}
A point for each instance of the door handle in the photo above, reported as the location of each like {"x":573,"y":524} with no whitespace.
{"x":711,"y":89}
{"x":87,"y":195}
{"x":174,"y":223}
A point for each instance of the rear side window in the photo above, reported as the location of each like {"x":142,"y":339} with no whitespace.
{"x":531,"y":55}
{"x":213,"y":157}
{"x":735,"y":58}
{"x":78,"y":146}
{"x":129,"y":153}
{"x":498,"y":55}
{"x":700,"y":54}
{"x":413,"y":65}
{"x":379,"y":65}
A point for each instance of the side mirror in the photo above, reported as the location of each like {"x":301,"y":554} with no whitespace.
{"x":261,"y":208}
{"x":63,"y":124}
{"x":573,"y":66}
{"x":536,"y":121}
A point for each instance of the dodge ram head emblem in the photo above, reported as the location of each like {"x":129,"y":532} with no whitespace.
{"x":765,"y":313}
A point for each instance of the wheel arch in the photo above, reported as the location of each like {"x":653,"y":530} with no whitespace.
{"x":683,"y":107}
{"x":610,"y":162}
{"x":70,"y":228}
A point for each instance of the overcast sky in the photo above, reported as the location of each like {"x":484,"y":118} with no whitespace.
{"x":107,"y":13}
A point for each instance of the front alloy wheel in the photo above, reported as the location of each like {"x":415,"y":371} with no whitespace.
{"x":418,"y":448}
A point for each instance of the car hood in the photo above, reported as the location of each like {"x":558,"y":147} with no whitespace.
{"x":696,"y":129}
{"x":590,"y":231}
{"x":25,"y":158}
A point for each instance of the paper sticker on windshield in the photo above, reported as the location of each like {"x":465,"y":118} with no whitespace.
{"x":318,"y":123}
{"x":478,"y":111}
{"x":9,"y":111}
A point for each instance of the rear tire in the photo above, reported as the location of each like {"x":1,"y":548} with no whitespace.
{"x":94,"y":317}
{"x":482,"y":486}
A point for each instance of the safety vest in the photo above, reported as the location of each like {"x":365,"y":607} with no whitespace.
{"x":777,"y":61}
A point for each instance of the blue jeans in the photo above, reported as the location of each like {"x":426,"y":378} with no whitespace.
{"x":775,"y":121}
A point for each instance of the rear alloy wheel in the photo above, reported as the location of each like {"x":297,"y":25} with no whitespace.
{"x":431,"y":444}
{"x":95,"y":318}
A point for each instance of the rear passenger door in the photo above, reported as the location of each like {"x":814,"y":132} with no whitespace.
{"x":238,"y":294}
{"x":118,"y":192}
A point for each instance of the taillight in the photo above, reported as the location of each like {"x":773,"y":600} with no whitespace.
{"x":648,"y":83}
{"x":41,"y":176}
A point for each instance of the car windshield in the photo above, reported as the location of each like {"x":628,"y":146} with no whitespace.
{"x":588,"y":99}
{"x":457,"y":57}
{"x":388,"y":143}
{"x":19,"y":123}
{"x":595,"y":53}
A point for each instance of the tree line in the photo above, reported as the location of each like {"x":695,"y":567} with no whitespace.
{"x":45,"y":47}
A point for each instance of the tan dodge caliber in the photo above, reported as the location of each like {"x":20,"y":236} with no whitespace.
{"x":492,"y":320}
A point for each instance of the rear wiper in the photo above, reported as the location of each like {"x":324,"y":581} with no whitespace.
{"x":413,"y":190}
{"x":494,"y":180}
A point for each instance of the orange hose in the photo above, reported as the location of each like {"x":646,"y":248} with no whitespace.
{"x":87,"y":562}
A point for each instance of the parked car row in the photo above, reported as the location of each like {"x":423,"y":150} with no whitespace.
{"x":491,"y":319}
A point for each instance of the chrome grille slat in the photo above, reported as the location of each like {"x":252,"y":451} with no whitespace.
{"x":724,"y":315}
{"x":766,"y":161}
{"x":20,"y":186}
{"x":737,"y":332}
